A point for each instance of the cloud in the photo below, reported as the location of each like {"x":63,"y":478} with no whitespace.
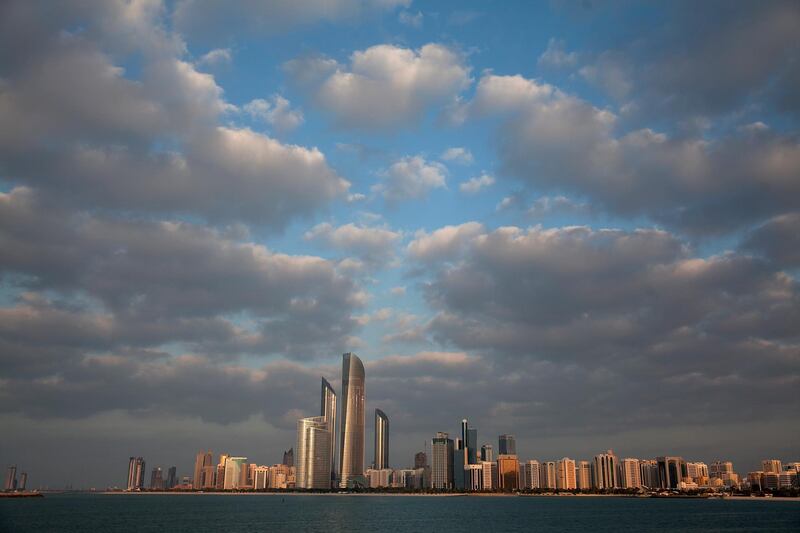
{"x":276,"y":112}
{"x":555,"y":56}
{"x":207,"y":20}
{"x":385,"y":85}
{"x":458,"y":155}
{"x":443,"y":243}
{"x":705,"y":186}
{"x":374,"y":245}
{"x":778,"y":240}
{"x":413,"y":20}
{"x":560,"y":205}
{"x":411,"y":178}
{"x":216,"y":58}
{"x":474,"y":185}
{"x":161,"y":282}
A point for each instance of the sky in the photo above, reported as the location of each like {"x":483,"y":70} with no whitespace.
{"x":576,"y":222}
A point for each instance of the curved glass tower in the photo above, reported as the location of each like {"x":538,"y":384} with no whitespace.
{"x":328,"y":408}
{"x":381,"y":440}
{"x":351,"y":451}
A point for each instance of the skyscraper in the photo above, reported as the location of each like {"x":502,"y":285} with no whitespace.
{"x":771,"y":465}
{"x":631,"y":473}
{"x":487,"y":453}
{"x":420,"y":460}
{"x":136,"y":473}
{"x":328,"y":407}
{"x":583,"y":475}
{"x":507,"y":472}
{"x":507,"y":445}
{"x":172,"y":477}
{"x":23,"y":481}
{"x":201,"y":460}
{"x":351,"y":451}
{"x":442,"y":462}
{"x":11,"y":478}
{"x":288,"y":457}
{"x":565,"y":474}
{"x":671,"y":471}
{"x":605,"y":471}
{"x":233,"y":472}
{"x":157,"y":479}
{"x":547,"y":475}
{"x":313,"y":453}
{"x":220,"y":478}
{"x":381,"y":440}
{"x":530,"y":479}
{"x":469,"y":438}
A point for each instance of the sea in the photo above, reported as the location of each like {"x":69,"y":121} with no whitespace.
{"x":251,"y":513}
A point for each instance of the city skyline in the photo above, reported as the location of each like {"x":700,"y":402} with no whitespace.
{"x":571,"y":222}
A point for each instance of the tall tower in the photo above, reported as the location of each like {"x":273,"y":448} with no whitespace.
{"x":508,"y":445}
{"x":328,"y":408}
{"x":351,"y":451}
{"x":313,"y":453}
{"x":381,"y":440}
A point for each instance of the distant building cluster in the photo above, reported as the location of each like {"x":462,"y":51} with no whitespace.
{"x":14,"y":483}
{"x":330,"y":446}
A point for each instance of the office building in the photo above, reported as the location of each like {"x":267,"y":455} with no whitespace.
{"x":328,"y":409}
{"x":487,"y":453}
{"x":489,"y":469}
{"x":23,"y":481}
{"x":718,"y":469}
{"x":458,"y":462}
{"x":583,"y":475}
{"x":261,"y":477}
{"x":420,"y":460}
{"x":547,"y":475}
{"x":11,"y":478}
{"x":313,"y":469}
{"x":671,"y":471}
{"x":771,"y":465}
{"x":473,"y":477}
{"x":604,"y":471}
{"x":172,"y":477}
{"x":442,"y":461}
{"x":631,"y":477}
{"x":220,"y":477}
{"x":530,"y":478}
{"x":469,"y":436}
{"x":648,"y":472}
{"x":565,"y":474}
{"x":279,"y":476}
{"x":507,"y":472}
{"x":507,"y":445}
{"x":697,"y":470}
{"x":136,"y":469}
{"x":233,"y":472}
{"x":351,"y":451}
{"x":288,"y":457}
{"x":381,"y":440}
{"x":209,"y":477}
{"x":202,"y":459}
{"x":156,"y":479}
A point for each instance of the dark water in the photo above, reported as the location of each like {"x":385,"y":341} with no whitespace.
{"x":255,"y":513}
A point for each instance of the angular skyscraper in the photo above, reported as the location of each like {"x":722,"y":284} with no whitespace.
{"x":508,"y":446}
{"x":381,"y":440}
{"x":313,"y":453}
{"x":11,"y":478}
{"x":135,"y":473}
{"x":328,"y":408}
{"x":442,"y":462}
{"x":351,"y":450}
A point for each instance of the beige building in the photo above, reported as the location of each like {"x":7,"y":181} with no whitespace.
{"x":583,"y":475}
{"x":565,"y":474}
{"x":313,"y":453}
{"x":547,"y":475}
{"x":531,"y":471}
{"x":507,"y":472}
{"x":771,"y":465}
{"x":631,"y":475}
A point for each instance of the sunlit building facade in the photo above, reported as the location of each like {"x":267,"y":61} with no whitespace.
{"x":328,"y":410}
{"x":381,"y":440}
{"x":351,"y":451}
{"x":313,"y":467}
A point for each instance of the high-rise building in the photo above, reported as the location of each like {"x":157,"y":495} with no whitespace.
{"x":351,"y":451}
{"x":172,"y":477}
{"x":469,"y":438}
{"x":671,"y":471}
{"x":565,"y":474}
{"x":648,"y":471}
{"x":313,"y":453}
{"x":261,"y":477}
{"x":288,"y":457}
{"x":220,"y":481}
{"x":530,"y":479}
{"x":507,"y":445}
{"x":631,"y":475}
{"x":442,"y":462}
{"x":381,"y":440}
{"x":136,"y":471}
{"x":23,"y":481}
{"x":583,"y":475}
{"x":201,"y":460}
{"x":771,"y":465}
{"x":697,"y":471}
{"x":507,"y":472}
{"x":473,"y":477}
{"x":420,"y":460}
{"x":157,"y":479}
{"x":718,"y":469}
{"x":604,"y":473}
{"x":210,"y":477}
{"x":489,"y":468}
{"x":11,"y":478}
{"x":487,"y":453}
{"x":547,"y":474}
{"x":233,"y":472}
{"x":328,"y":409}
{"x":458,"y":463}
